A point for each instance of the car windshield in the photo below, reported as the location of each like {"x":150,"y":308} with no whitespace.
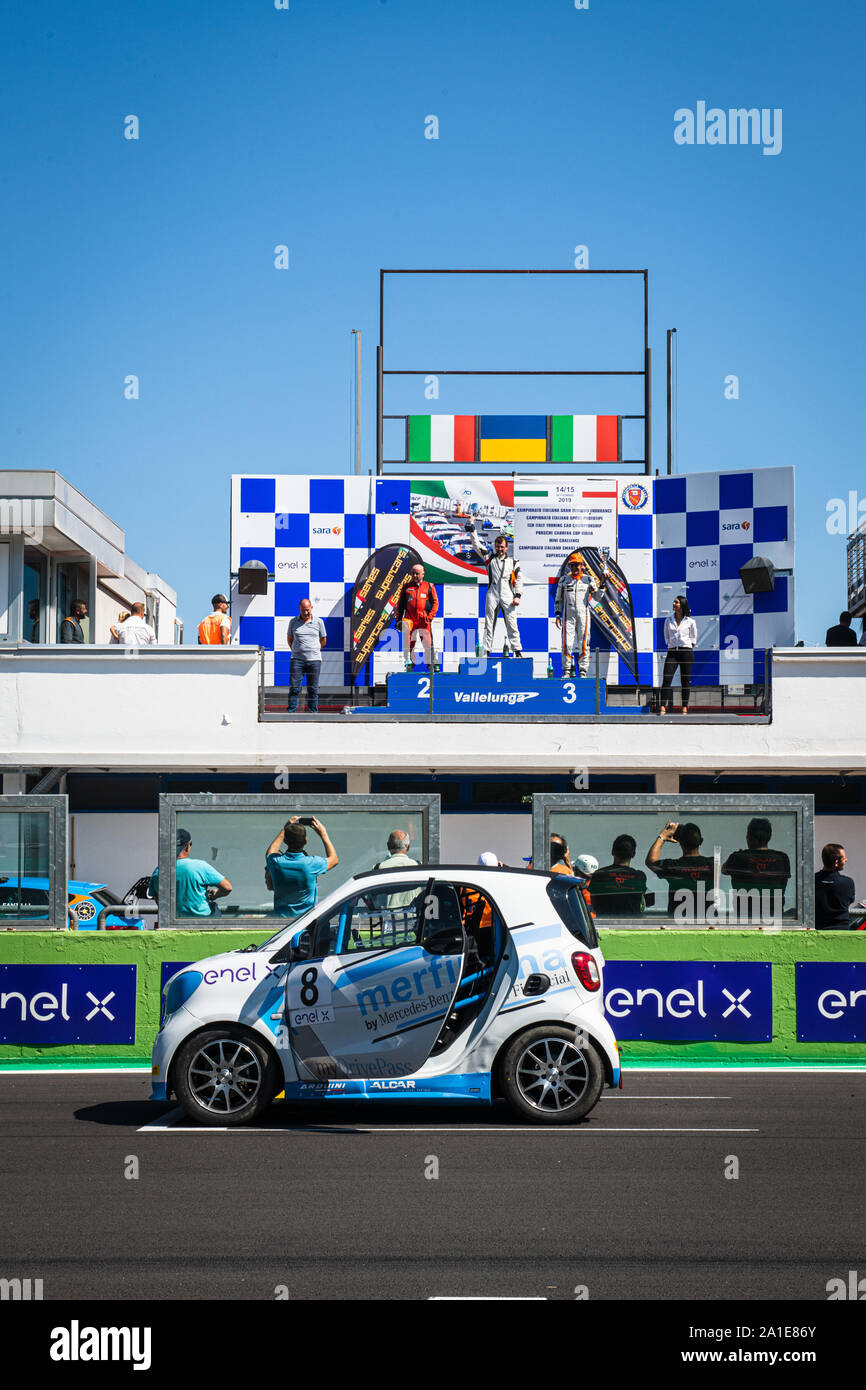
{"x":571,"y":909}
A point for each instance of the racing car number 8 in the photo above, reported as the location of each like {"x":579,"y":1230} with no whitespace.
{"x":309,"y":992}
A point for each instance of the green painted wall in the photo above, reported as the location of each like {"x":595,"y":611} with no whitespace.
{"x":147,"y":950}
{"x":782,"y":951}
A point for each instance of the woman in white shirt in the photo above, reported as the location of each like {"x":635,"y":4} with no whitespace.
{"x":681,"y":634}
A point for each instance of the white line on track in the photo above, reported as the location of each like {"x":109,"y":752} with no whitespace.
{"x":74,"y":1071}
{"x":163,"y":1128}
{"x":165,"y":1121}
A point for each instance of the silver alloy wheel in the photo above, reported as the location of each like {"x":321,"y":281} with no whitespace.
{"x":552,"y":1074}
{"x":225,"y":1076}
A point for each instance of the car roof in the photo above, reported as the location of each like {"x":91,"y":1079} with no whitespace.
{"x":462,"y":868}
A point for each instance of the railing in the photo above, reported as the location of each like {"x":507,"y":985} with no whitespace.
{"x":117,"y":910}
{"x":745,"y":693}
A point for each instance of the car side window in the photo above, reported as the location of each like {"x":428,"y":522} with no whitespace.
{"x":458,"y":916}
{"x":375,"y":919}
{"x":442,"y":924}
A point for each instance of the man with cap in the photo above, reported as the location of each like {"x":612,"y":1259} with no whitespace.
{"x":198,"y":883}
{"x":585,"y":865}
{"x":216,"y":629}
{"x":489,"y":860}
{"x":477,"y":910}
{"x":571,"y":606}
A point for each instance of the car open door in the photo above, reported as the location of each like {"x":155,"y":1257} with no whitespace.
{"x":371,"y":1000}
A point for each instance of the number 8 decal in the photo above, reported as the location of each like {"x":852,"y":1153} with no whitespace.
{"x":309,"y":992}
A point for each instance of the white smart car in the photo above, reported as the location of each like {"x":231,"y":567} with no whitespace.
{"x":431,"y":983}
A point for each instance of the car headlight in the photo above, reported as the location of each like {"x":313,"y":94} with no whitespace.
{"x":178,"y":990}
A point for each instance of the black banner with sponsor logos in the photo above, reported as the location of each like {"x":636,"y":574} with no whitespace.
{"x":376,"y":593}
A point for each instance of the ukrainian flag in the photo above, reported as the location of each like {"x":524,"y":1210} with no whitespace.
{"x":512,"y":438}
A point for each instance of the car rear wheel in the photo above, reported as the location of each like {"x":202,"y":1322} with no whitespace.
{"x":224,"y":1077}
{"x":552,"y":1076}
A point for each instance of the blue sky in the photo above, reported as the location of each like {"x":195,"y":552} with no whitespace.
{"x":305,"y":126}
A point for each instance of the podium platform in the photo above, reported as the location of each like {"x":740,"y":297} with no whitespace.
{"x":497,"y":685}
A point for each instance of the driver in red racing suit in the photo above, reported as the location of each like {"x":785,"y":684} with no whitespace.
{"x":416,"y":610}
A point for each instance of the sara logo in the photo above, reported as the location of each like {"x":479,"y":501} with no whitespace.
{"x":327,"y":530}
{"x":635,"y":497}
{"x":736,"y":525}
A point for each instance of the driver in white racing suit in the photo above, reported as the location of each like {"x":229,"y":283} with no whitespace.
{"x":572,"y":615}
{"x":504,"y":588}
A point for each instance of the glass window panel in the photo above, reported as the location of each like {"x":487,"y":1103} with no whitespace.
{"x":234,"y":842}
{"x":727,"y":849}
{"x":73,"y":582}
{"x":34,"y":597}
{"x":24,"y":864}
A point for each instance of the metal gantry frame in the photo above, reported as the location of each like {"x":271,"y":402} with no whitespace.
{"x":382,"y":371}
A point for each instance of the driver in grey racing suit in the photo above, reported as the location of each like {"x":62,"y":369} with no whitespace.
{"x":504,"y":588}
{"x":572,"y":615}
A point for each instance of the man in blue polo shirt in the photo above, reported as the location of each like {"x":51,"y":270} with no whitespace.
{"x":292,"y":874}
{"x":198,"y":882}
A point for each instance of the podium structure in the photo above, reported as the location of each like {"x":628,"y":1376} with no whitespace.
{"x":493,"y":685}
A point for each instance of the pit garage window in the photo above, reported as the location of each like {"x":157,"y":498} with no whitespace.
{"x":232,"y":833}
{"x":691,"y":860}
{"x":33,"y":885}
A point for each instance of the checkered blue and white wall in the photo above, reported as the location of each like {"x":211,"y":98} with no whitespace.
{"x":690,"y":535}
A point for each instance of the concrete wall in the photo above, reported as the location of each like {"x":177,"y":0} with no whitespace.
{"x":114,"y":848}
{"x":198,"y":708}
{"x":462,"y":838}
{"x":849,"y":831}
{"x":147,"y":950}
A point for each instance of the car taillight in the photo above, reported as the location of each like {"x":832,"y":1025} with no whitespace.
{"x":586,"y":970}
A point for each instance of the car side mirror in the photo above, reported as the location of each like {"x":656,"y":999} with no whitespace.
{"x":296,"y":950}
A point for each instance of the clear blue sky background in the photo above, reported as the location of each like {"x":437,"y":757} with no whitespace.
{"x":306,"y":127}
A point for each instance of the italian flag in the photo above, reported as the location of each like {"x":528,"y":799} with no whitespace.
{"x":441,"y":438}
{"x":585,"y":439}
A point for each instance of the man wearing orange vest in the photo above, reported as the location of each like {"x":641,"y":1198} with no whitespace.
{"x":216,"y":629}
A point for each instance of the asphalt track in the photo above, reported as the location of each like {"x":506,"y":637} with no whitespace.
{"x":333,"y":1203}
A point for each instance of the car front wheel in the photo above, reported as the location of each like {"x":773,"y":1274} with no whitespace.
{"x":550,"y":1076}
{"x":224,"y":1077}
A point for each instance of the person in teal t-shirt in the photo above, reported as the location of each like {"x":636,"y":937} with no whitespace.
{"x":292,"y":875}
{"x":193,"y":878}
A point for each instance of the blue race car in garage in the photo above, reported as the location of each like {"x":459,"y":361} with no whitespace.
{"x":28,"y":898}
